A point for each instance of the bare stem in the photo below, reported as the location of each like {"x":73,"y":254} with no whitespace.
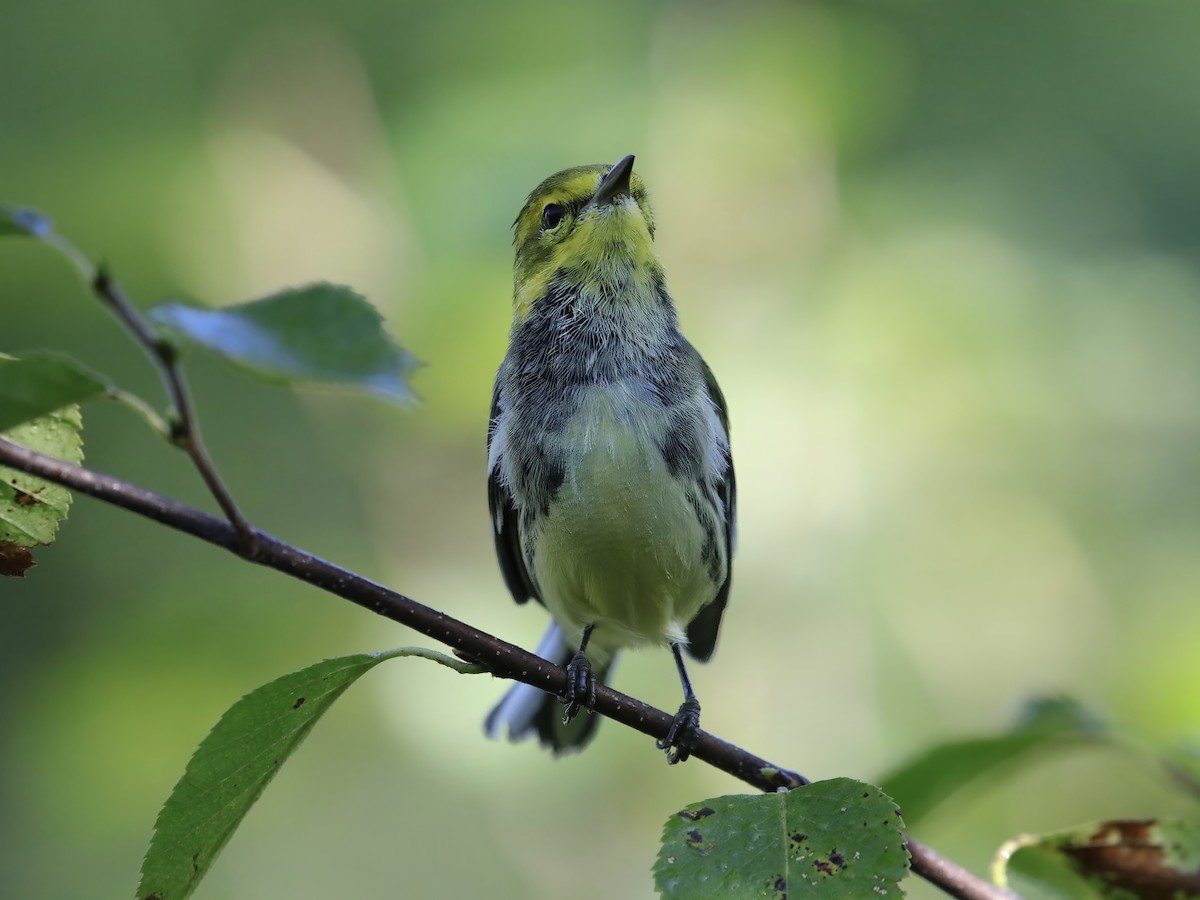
{"x":950,"y":876}
{"x":185,"y":427}
{"x":501,"y":658}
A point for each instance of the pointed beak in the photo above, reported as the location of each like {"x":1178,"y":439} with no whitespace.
{"x":615,"y":184}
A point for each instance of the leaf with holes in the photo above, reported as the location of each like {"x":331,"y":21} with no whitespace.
{"x":319,"y":333}
{"x":32,"y":509}
{"x":1115,"y":859}
{"x":830,"y":839}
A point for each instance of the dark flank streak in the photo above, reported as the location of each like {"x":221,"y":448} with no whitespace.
{"x":674,"y":449}
{"x":667,"y":377}
{"x":538,"y":468}
{"x":710,"y":552}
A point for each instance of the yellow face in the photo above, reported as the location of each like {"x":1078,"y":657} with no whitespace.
{"x":562,"y":232}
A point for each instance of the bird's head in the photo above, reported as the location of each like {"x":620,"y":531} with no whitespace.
{"x":588,"y":225}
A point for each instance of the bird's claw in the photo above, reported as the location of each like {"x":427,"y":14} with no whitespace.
{"x":581,"y":687}
{"x":685,"y":729}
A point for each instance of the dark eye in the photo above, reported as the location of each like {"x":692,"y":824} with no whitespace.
{"x":551,"y":216}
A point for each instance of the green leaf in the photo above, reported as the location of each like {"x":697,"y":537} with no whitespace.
{"x":322,"y":333}
{"x":25,"y":222}
{"x":237,"y":760}
{"x":1039,"y":873}
{"x":1115,"y":859}
{"x":30,"y":508}
{"x":39,"y":383}
{"x":926,"y":781}
{"x":831,"y":839}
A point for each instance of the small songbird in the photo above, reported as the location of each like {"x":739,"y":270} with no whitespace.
{"x":610,"y":480}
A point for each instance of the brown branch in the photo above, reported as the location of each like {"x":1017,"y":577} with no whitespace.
{"x":502,"y":659}
{"x":185,"y":427}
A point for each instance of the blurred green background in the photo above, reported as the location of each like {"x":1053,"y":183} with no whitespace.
{"x":942,"y":256}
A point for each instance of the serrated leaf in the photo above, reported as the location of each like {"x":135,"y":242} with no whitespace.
{"x":923,"y":783}
{"x":1115,"y":859}
{"x":320,"y":333}
{"x":237,"y":760}
{"x":32,"y":509}
{"x":25,"y":222}
{"x":40,"y":383}
{"x":830,"y":839}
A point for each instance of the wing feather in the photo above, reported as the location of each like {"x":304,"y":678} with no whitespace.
{"x":504,"y":522}
{"x":702,"y":630}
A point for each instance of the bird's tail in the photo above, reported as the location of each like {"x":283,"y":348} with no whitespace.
{"x":526,"y":710}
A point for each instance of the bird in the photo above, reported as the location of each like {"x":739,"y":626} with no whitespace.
{"x":610,"y":478}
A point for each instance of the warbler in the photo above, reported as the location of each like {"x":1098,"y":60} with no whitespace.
{"x":610,"y":480}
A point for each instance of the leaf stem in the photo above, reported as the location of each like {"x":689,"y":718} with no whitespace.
{"x":141,"y":408}
{"x":461,"y":666}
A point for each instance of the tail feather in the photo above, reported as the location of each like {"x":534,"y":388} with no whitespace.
{"x":525,"y":710}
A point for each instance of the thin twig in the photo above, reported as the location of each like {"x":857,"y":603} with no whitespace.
{"x":950,"y":876}
{"x":185,"y":427}
{"x":501,"y":658}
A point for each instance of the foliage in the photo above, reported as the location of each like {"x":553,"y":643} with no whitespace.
{"x":318,"y":333}
{"x":838,"y":838}
{"x":926,"y":781}
{"x":830,"y":839}
{"x":946,"y":253}
{"x":32,"y":509}
{"x":234,"y":764}
{"x":1116,"y":860}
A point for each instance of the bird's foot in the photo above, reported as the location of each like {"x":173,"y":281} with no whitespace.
{"x":581,"y":687}
{"x":685,"y":729}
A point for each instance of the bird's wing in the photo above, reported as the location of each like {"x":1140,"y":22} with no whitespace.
{"x":702,"y":630}
{"x":504,"y":523}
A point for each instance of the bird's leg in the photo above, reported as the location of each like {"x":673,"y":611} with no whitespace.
{"x":681,"y":739}
{"x":581,"y":681}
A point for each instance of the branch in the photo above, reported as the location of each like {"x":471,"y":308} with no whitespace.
{"x":501,"y":658}
{"x":185,"y":428}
